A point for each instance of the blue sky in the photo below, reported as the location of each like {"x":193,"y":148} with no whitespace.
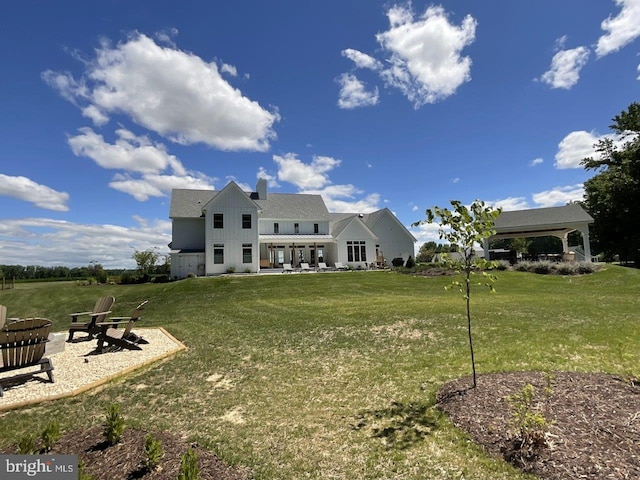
{"x":107,"y":106}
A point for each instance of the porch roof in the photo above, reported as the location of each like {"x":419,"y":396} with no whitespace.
{"x":296,"y":238}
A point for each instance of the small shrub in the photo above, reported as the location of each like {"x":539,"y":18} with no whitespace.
{"x":531,"y":425}
{"x":152,"y":452}
{"x":82,"y":474}
{"x":410,"y":262}
{"x":502,"y":265}
{"x":231,"y":270}
{"x":189,"y":468}
{"x":50,"y":435}
{"x":541,"y":268}
{"x":566,"y":268}
{"x":26,"y":445}
{"x":522,"y":266}
{"x":114,"y":424}
{"x":161,"y":279}
{"x":247,"y":270}
{"x":584,"y":267}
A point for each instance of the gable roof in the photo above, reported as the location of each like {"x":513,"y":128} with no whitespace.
{"x":233,"y":189}
{"x":186,"y":203}
{"x":542,"y":217}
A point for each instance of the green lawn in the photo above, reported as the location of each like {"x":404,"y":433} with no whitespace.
{"x":335,"y":375}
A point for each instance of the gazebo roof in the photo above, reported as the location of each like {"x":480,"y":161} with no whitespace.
{"x":538,"y":222}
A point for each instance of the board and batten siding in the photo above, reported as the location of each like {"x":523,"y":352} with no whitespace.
{"x":393,"y":238}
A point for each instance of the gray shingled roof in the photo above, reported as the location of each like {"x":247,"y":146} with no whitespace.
{"x":542,"y":217}
{"x":188,"y":204}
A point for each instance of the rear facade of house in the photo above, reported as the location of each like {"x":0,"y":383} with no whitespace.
{"x":220,"y":231}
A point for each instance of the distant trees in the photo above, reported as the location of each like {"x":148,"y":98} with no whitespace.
{"x":146,"y":261}
{"x":612,"y":196}
{"x":429,"y":249}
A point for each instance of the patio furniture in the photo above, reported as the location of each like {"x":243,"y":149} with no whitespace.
{"x":322,"y":267}
{"x":3,"y":315}
{"x":122,"y":338}
{"x":22,"y":345}
{"x":286,"y":268}
{"x":304,"y":267}
{"x":100,"y":311}
{"x":340,"y":266}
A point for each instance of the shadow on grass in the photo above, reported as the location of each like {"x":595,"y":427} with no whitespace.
{"x":401,"y":425}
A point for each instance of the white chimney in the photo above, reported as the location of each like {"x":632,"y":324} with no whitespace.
{"x":261,"y":189}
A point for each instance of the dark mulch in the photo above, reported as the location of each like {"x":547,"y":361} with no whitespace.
{"x":595,"y":432}
{"x":124,"y":460}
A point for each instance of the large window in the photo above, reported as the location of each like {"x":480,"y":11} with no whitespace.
{"x":218,"y":253}
{"x":246,"y":220}
{"x":357,"y":251}
{"x":218,"y":220}
{"x":246,"y":253}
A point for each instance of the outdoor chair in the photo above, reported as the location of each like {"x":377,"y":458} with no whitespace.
{"x":3,"y":315}
{"x":340,"y":266}
{"x":100,"y":311}
{"x":22,"y":344}
{"x":286,"y":268}
{"x":322,"y":266}
{"x":304,"y":267}
{"x":122,"y":338}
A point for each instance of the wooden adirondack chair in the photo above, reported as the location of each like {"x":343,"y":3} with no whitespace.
{"x":3,"y":315}
{"x":122,"y":338}
{"x":22,"y":344}
{"x":99,"y":313}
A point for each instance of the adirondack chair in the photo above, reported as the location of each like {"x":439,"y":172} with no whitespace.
{"x":99,"y":313}
{"x":22,"y":344}
{"x":121,"y":337}
{"x":3,"y":315}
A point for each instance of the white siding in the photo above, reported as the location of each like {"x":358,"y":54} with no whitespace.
{"x":187,"y":234}
{"x":393,"y":238}
{"x":355,"y":231}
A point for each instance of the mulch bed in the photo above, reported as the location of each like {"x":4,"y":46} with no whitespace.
{"x":595,"y":429}
{"x":123,"y":461}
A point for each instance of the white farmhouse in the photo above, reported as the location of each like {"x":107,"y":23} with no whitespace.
{"x":216,"y":231}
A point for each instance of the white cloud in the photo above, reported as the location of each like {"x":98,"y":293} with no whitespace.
{"x":230,"y":69}
{"x":425,"y":60}
{"x":168,"y":91}
{"x":353,"y":93}
{"x":302,"y":175}
{"x":559,"y":196}
{"x":579,"y":145}
{"x":47,"y":242}
{"x":536,"y":162}
{"x":272,"y":180}
{"x":565,"y":68}
{"x":455,"y":180}
{"x":27,"y":190}
{"x":343,"y":198}
{"x":362,"y":60}
{"x":621,"y":29}
{"x":137,"y":155}
{"x":510,"y":203}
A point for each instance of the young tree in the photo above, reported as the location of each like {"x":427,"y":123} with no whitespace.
{"x":612,"y":196}
{"x":466,"y":227}
{"x":146,"y":260}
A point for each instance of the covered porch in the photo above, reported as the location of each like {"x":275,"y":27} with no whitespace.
{"x":276,"y":250}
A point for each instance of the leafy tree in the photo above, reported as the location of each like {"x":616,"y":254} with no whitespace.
{"x":146,"y":260}
{"x":426,"y":252}
{"x":612,"y":196}
{"x":465,"y":227}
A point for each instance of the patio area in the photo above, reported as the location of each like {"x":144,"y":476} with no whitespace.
{"x":77,"y":370}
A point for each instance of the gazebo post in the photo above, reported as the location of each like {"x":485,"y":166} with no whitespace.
{"x":586,"y":243}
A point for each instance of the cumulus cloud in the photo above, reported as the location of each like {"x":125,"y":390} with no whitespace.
{"x":353,"y":93}
{"x":362,"y":60}
{"x":510,"y":203}
{"x":536,"y":161}
{"x":423,"y":54}
{"x":425,"y":60}
{"x":144,"y":163}
{"x":621,"y":29}
{"x":23,"y":188}
{"x":559,"y":196}
{"x":313,"y":178}
{"x":73,"y":244}
{"x":305,"y":176}
{"x":578,"y":145}
{"x":169,"y":91}
{"x":565,"y":68}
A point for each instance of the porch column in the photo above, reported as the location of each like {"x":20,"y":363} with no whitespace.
{"x":565,"y":243}
{"x":586,"y":243}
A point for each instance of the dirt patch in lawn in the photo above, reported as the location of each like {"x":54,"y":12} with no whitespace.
{"x":595,"y":421}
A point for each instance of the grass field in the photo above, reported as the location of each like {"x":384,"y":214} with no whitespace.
{"x":334,"y":376}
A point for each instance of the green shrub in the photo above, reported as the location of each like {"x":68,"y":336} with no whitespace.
{"x":584,"y":267}
{"x":231,"y":270}
{"x":82,"y":474}
{"x":542,"y":268}
{"x":50,"y":435}
{"x":152,"y":452}
{"x":502,"y":265}
{"x":566,"y":268}
{"x":114,"y":425}
{"x":189,"y":468}
{"x":410,"y":262}
{"x":530,"y":425}
{"x":26,"y":445}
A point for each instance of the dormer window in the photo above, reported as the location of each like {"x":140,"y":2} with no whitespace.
{"x":276,"y":228}
{"x":296,"y":228}
{"x":315,"y":228}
